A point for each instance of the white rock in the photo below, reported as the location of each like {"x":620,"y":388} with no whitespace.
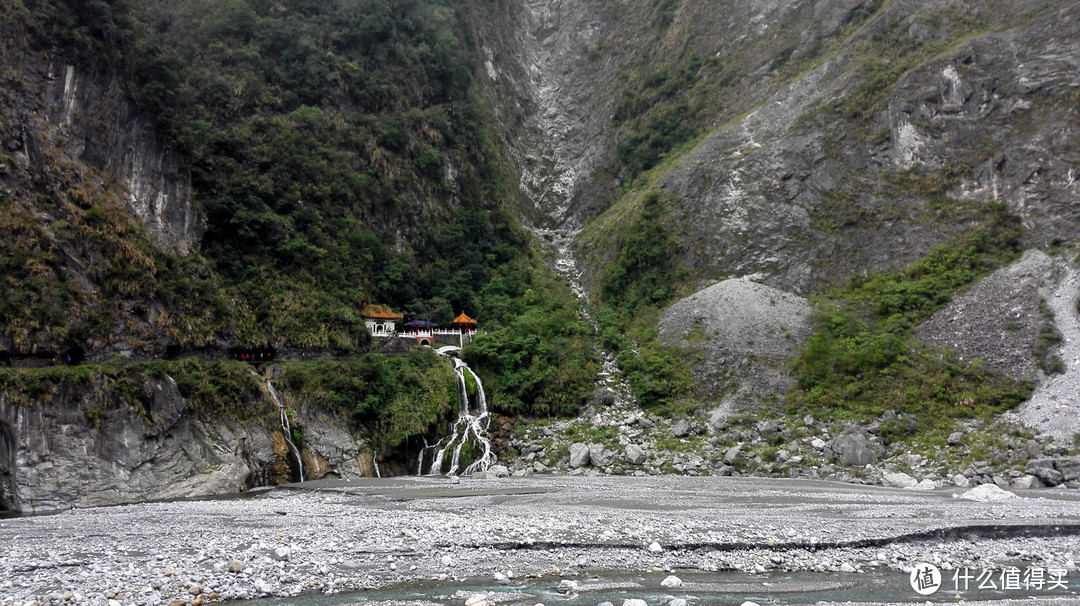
{"x":655,"y":547}
{"x":677,"y":602}
{"x":566,"y":586}
{"x":818,"y":443}
{"x":477,"y":600}
{"x":846,"y":567}
{"x":501,"y":578}
{"x":262,"y":586}
{"x":447,"y":560}
{"x":634,"y":602}
{"x":898,"y":480}
{"x":455,"y":480}
{"x":672,"y":581}
{"x":281,"y":553}
{"x":985,"y":493}
{"x":926,"y":484}
{"x":750,"y":604}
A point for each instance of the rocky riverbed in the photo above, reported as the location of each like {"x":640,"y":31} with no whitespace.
{"x":338,"y":537}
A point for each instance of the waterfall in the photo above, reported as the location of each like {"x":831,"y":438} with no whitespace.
{"x":286,"y":428}
{"x":471,"y":426}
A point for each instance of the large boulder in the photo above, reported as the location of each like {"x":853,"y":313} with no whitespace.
{"x":898,"y":480}
{"x":1028,"y":482}
{"x":579,"y":455}
{"x":1048,"y":475}
{"x":1069,"y":468}
{"x":853,"y":449}
{"x":635,"y":455}
{"x":986,"y":493}
{"x":600,"y":455}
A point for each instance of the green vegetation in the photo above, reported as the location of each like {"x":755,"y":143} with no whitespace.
{"x":216,"y":388}
{"x":862,"y":359}
{"x":1049,"y":339}
{"x":43,"y":302}
{"x":390,"y":398}
{"x":340,"y":156}
{"x":640,"y":281}
{"x":538,"y":358}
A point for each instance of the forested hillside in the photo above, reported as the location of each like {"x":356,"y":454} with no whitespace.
{"x":336,"y":154}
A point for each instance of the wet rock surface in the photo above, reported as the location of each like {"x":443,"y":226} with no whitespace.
{"x":337,"y":536}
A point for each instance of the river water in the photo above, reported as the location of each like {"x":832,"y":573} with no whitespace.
{"x":774,"y":589}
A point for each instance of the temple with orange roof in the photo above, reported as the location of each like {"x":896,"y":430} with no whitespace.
{"x":380,"y":320}
{"x":465,"y":324}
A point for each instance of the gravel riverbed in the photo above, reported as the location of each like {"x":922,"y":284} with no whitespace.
{"x":333,"y":537}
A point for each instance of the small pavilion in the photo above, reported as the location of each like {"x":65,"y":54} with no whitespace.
{"x":465,"y":324}
{"x":379,"y":320}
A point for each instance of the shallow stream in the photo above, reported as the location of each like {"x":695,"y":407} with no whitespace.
{"x":774,"y":589}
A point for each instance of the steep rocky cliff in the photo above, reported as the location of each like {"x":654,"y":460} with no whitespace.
{"x":81,"y":444}
{"x":891,"y":143}
{"x":93,"y":121}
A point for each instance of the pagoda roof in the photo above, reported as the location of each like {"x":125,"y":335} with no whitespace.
{"x":379,"y":312}
{"x":463,"y":319}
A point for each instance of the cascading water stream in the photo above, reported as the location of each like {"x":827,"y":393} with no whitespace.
{"x":471,"y":427}
{"x":286,"y":428}
{"x":565,"y":265}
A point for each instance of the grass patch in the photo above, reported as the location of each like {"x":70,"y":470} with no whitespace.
{"x":862,"y":359}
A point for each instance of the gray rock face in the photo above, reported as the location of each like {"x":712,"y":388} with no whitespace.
{"x":338,"y":451}
{"x":1028,"y":482}
{"x":600,"y":455}
{"x":158,"y":185}
{"x":63,"y":459}
{"x":9,"y":496}
{"x":998,"y":320}
{"x":635,"y":455}
{"x":1047,"y":475}
{"x":1069,"y":468}
{"x":733,"y":453}
{"x":744,"y":329}
{"x":681,"y":428}
{"x":579,"y":455}
{"x":853,"y":449}
{"x":77,"y":451}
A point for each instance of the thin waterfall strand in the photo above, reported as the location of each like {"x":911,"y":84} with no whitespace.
{"x":286,"y":428}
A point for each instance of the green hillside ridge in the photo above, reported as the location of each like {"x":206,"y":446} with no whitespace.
{"x":338,"y":156}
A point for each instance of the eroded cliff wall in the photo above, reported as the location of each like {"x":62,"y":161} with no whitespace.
{"x":84,"y":446}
